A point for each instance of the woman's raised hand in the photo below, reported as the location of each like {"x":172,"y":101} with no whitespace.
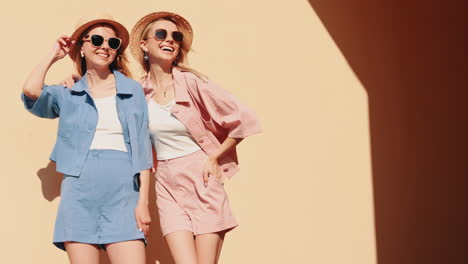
{"x":62,"y":47}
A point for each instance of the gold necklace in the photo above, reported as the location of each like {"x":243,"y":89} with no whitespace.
{"x":157,"y":88}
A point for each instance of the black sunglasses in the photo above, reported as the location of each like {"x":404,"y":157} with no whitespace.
{"x":161,"y":34}
{"x":98,"y":40}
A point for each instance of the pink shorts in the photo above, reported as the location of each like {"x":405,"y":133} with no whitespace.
{"x":185,"y":203}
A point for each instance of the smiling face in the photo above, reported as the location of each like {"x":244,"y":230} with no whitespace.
{"x":161,"y":51}
{"x":102,"y":56}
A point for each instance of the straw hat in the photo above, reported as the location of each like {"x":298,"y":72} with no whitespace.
{"x":137,"y":31}
{"x":86,"y":23}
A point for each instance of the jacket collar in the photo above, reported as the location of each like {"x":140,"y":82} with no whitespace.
{"x":180,"y":85}
{"x":122,"y":84}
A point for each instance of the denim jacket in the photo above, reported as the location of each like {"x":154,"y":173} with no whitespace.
{"x":78,"y":118}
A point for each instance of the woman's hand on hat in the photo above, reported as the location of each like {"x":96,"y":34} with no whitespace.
{"x":61,"y":47}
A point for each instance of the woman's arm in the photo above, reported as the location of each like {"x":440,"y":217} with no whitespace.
{"x":212,"y":166}
{"x":145,"y":163}
{"x":32,"y":87}
{"x":228,"y":112}
{"x":142,"y":215}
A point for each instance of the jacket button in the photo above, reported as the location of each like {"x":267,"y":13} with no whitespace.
{"x":201,"y":140}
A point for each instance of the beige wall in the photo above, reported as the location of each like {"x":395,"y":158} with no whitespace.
{"x":304,"y":193}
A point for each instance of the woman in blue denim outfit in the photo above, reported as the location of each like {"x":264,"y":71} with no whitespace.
{"x":103,"y":146}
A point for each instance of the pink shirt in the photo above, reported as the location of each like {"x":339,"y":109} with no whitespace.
{"x":210,"y":114}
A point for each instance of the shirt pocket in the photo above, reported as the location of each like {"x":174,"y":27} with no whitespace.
{"x":72,"y":119}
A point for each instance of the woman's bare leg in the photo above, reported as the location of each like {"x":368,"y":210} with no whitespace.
{"x":209,"y":247}
{"x":182,"y":247}
{"x":81,"y":253}
{"x":126,"y":252}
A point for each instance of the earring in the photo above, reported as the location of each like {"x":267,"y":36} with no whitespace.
{"x":146,"y":56}
{"x":82,"y":54}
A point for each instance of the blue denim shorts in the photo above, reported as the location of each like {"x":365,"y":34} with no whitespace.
{"x":98,"y":206}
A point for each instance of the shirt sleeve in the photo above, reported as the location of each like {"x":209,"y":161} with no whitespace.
{"x":228,"y":111}
{"x":146,"y":155}
{"x":48,"y":103}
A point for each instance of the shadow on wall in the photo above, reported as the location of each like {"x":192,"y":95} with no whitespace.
{"x":157,"y":251}
{"x":408,"y":57}
{"x":50,"y":181}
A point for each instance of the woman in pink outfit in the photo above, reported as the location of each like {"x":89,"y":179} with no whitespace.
{"x":195,"y":126}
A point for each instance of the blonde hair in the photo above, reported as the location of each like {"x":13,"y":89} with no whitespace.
{"x":185,"y":46}
{"x":120,"y":62}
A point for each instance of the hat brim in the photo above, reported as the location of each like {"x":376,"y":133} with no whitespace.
{"x":122,"y":33}
{"x":137,"y":31}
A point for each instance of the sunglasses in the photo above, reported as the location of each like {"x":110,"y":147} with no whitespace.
{"x":161,"y":34}
{"x":98,"y":40}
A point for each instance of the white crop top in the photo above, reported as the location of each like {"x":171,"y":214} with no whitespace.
{"x":108,"y":133}
{"x":169,"y":136}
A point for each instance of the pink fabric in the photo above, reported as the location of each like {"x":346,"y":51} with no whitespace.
{"x":185,"y":203}
{"x":210,"y":114}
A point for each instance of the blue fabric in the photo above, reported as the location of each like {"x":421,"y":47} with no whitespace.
{"x":98,"y":207}
{"x":78,"y":118}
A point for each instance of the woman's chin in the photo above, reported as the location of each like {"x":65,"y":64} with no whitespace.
{"x":99,"y":63}
{"x":164,"y":60}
